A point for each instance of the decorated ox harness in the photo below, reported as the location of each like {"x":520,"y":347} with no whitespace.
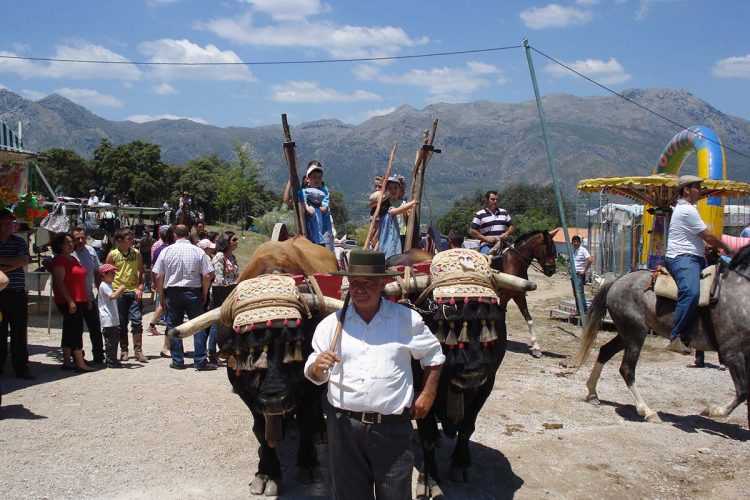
{"x":263,"y":312}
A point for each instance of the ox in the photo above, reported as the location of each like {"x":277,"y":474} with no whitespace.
{"x":265,"y":334}
{"x":462,"y":309}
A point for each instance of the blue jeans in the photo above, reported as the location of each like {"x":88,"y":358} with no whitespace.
{"x":129,"y":310}
{"x":181,"y":301}
{"x":686,"y":270}
{"x":578,"y":282}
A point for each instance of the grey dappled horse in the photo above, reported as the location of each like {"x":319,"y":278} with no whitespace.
{"x":724,"y":326}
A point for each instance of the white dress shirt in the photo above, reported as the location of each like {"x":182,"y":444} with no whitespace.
{"x":183,"y":265}
{"x":374,"y":374}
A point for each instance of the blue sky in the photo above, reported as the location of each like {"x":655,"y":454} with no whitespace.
{"x":700,"y":46}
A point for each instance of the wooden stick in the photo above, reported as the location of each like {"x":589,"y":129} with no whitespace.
{"x":291,"y":162}
{"x":339,"y":325}
{"x":380,"y":198}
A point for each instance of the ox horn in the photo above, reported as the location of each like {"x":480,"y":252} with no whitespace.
{"x":510,"y":282}
{"x":196,"y":324}
{"x":206,"y":319}
{"x":329,"y":305}
{"x":415,"y":285}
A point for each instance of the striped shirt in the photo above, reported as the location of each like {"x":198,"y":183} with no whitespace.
{"x":183,"y":265}
{"x":491,"y":223}
{"x":14,"y":247}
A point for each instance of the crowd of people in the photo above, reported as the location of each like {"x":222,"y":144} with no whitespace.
{"x":191,"y":272}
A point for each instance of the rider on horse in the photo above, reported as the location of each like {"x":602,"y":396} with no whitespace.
{"x":685,"y":257}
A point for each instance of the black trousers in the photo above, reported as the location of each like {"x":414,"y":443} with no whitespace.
{"x":91,"y":317}
{"x":369,"y":460}
{"x":14,"y":307}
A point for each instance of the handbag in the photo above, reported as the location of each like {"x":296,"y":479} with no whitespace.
{"x":56,"y":222}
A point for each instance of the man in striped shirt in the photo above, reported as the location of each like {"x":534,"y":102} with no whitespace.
{"x":14,"y":255}
{"x":491,"y":224}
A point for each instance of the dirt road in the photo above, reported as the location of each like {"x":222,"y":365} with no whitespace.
{"x":151,"y":432}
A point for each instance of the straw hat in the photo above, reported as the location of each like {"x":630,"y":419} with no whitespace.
{"x":686,"y":180}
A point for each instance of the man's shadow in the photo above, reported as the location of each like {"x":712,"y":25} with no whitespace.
{"x":491,"y":473}
{"x":18,"y":412}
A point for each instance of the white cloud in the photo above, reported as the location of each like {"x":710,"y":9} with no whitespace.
{"x":90,"y":97}
{"x":586,"y":3}
{"x":446,"y":83}
{"x":127,"y":85}
{"x":167,"y":116}
{"x":338,"y":41}
{"x":163,"y":89}
{"x":644,"y":7}
{"x":289,"y":10}
{"x":358,"y":118}
{"x":158,"y":3}
{"x":554,"y":15}
{"x":76,"y":51}
{"x":34,"y":95}
{"x":732,"y":67}
{"x":366,"y":72}
{"x":185,"y":51}
{"x":311,"y":92}
{"x":608,"y":73}
{"x":3,"y":87}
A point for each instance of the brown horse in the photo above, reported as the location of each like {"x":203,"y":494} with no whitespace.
{"x":516,"y":259}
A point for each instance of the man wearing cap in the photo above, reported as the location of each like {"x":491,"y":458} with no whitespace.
{"x":183,"y":276}
{"x":14,"y":255}
{"x":93,"y":198}
{"x":370,"y":384}
{"x":491,"y":224}
{"x":685,"y":257}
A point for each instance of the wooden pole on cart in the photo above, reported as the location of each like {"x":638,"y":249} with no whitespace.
{"x":290,"y":155}
{"x":380,"y":198}
{"x":420,"y":163}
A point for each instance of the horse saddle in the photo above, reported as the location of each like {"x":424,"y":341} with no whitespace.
{"x":664,"y":285}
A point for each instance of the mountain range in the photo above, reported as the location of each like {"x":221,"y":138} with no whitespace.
{"x":485,"y":144}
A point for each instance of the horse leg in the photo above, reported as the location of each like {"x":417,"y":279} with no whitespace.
{"x":605,"y":354}
{"x":627,"y":370}
{"x":520,"y":301}
{"x":427,"y":482}
{"x":268,"y":478}
{"x":739,"y":368}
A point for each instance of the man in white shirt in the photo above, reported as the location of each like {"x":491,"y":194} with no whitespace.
{"x":582,"y":260}
{"x":370,"y":384}
{"x":93,"y":198}
{"x":183,"y":276}
{"x":685,"y":257}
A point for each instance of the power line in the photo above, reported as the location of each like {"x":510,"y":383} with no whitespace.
{"x":263,"y":63}
{"x":636,"y":103}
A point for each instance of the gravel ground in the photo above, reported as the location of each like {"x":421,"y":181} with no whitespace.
{"x":147,"y":431}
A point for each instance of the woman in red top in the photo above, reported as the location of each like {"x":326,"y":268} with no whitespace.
{"x":69,"y":289}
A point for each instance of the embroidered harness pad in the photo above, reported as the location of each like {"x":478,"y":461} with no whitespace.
{"x":665,"y":285}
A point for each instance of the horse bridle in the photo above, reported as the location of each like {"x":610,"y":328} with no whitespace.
{"x":551,"y":268}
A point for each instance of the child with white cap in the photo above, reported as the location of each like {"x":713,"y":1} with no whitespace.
{"x":317,"y":199}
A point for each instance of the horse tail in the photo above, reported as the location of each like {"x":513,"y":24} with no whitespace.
{"x":596,"y":312}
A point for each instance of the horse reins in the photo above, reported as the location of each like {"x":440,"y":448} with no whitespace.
{"x":526,"y":260}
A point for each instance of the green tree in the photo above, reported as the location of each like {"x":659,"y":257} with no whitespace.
{"x":68,"y":173}
{"x":238,"y":190}
{"x":199,"y":178}
{"x":338,"y":209}
{"x":522,"y":198}
{"x":461,"y":213}
{"x":534,"y":220}
{"x":134,"y":170}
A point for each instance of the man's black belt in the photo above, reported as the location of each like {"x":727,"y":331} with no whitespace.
{"x":370,"y":417}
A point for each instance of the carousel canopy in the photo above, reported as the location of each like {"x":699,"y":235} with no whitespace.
{"x":659,"y":190}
